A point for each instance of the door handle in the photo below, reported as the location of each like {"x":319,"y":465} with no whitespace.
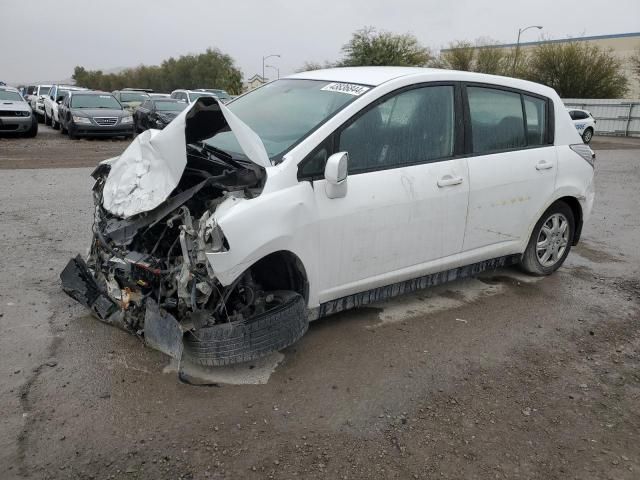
{"x":544,"y":165}
{"x":449,"y":180}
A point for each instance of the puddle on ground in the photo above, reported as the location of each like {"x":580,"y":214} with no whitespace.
{"x":450,"y":295}
{"x":256,"y":372}
{"x":590,"y":252}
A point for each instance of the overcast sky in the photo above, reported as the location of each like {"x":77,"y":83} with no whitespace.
{"x":44,"y":40}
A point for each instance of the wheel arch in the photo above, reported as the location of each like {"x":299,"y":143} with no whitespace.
{"x":576,"y":209}
{"x":281,"y":270}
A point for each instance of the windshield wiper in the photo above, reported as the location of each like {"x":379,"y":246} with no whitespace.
{"x":226,"y":156}
{"x":215,"y":154}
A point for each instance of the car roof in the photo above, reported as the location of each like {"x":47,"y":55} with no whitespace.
{"x":363,"y":75}
{"x":165,"y":99}
{"x":7,"y":88}
{"x":91,"y":92}
{"x":375,"y":76}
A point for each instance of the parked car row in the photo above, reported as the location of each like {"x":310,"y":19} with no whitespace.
{"x":79,"y":111}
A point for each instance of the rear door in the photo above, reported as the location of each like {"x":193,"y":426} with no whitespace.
{"x":513,"y":166}
{"x":407,"y":195}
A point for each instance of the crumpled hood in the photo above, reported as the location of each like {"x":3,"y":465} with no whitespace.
{"x":150,"y":168}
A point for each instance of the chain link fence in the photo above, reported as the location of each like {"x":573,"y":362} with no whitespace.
{"x":614,"y":117}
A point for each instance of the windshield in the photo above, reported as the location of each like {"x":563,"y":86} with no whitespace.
{"x":44,"y":90}
{"x":133,"y":97}
{"x":10,"y":96}
{"x":95,"y":101}
{"x":170,"y":106}
{"x":285,"y":111}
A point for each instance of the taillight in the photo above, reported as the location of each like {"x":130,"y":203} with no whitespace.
{"x":585,"y":152}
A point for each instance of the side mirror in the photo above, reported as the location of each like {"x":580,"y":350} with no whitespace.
{"x":335,"y":173}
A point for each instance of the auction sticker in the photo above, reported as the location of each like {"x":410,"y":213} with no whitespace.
{"x":349,"y":88}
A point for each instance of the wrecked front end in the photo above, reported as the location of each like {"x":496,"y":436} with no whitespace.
{"x":147,"y":270}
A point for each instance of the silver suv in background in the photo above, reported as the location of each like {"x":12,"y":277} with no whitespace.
{"x":191,"y":96}
{"x":16,"y":115}
{"x":130,"y":99}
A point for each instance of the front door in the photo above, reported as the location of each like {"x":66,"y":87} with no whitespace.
{"x":407,"y":195}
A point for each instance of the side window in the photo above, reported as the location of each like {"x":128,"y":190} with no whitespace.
{"x":535,"y":110}
{"x":52,"y":93}
{"x":411,"y":127}
{"x":572,"y":114}
{"x":313,"y":165}
{"x":497,"y":122}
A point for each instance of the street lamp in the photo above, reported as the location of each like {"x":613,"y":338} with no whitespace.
{"x":275,"y":68}
{"x":264,"y":58}
{"x":520,"y":31}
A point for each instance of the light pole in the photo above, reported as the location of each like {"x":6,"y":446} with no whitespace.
{"x":275,"y":68}
{"x":520,"y":31}
{"x":264,"y":58}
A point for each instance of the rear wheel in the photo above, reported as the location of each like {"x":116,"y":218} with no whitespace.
{"x":587,"y":135}
{"x":282,"y":324}
{"x":550,"y":241}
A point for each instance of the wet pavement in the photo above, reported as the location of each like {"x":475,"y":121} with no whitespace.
{"x":504,"y":376}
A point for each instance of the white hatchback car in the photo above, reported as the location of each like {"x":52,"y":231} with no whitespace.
{"x":222,"y":235}
{"x":584,"y":122}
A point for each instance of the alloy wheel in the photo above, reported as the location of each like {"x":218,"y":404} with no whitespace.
{"x":553,"y":240}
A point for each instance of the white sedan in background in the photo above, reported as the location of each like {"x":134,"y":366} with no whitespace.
{"x":584,"y":122}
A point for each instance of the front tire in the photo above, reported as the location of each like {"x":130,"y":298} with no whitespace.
{"x":33,"y":131}
{"x":587,"y":135}
{"x":550,"y":241}
{"x":46,"y":118}
{"x":246,"y":340}
{"x":55,"y":125}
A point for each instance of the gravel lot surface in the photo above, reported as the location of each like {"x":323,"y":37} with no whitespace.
{"x":504,"y":376}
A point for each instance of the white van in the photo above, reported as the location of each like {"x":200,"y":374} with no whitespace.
{"x":222,"y":235}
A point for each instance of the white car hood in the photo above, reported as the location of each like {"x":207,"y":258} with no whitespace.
{"x":150,"y":168}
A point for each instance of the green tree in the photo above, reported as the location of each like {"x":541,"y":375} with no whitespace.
{"x":311,"y":65}
{"x":484,"y":57}
{"x":211,"y":69}
{"x":491,"y":59}
{"x":370,"y":47}
{"x":577,"y":70}
{"x":459,"y":56}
